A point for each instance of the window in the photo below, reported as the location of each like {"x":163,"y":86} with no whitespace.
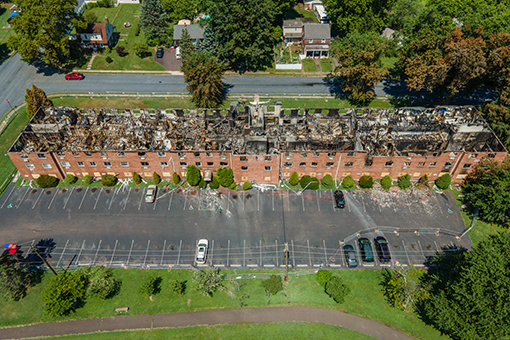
{"x":389,"y":163}
{"x":420,"y":164}
{"x":103,"y":154}
{"x":288,"y":154}
{"x":244,"y":168}
{"x":121,"y":154}
{"x":163,"y":164}
{"x":181,"y":154}
{"x":46,"y":166}
{"x":81,"y":164}
{"x":323,"y":41}
{"x":223,"y":164}
{"x":407,"y":163}
{"x":208,"y":154}
{"x":183,"y":164}
{"x":287,"y":164}
{"x":41,"y":156}
{"x":310,"y":41}
{"x":304,"y":154}
{"x":268,"y":159}
{"x":331,"y":154}
{"x":348,"y":164}
{"x":196,"y":154}
{"x":161,"y":153}
{"x":314,"y":164}
{"x":141,"y":154}
{"x":315,"y":154}
{"x":328,"y":164}
{"x":124,"y":164}
{"x":466,"y":166}
{"x":23,"y":156}
{"x":268,"y":168}
{"x":66,"y":164}
{"x":302,"y":165}
{"x":145,"y":164}
{"x":92,"y":163}
{"x":76,"y":154}
{"x":243,"y":159}
{"x":351,"y":154}
{"x":223,"y":154}
{"x":447,"y":164}
{"x":30,"y":166}
{"x":210,"y":164}
{"x":433,"y":164}
{"x":108,"y":164}
{"x":198,"y":163}
{"x":61,"y":154}
{"x":88,"y":154}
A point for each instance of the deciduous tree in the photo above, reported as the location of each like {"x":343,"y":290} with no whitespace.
{"x":63,"y":294}
{"x":403,"y":287}
{"x":208,"y":280}
{"x":497,"y":114}
{"x":35,"y":99}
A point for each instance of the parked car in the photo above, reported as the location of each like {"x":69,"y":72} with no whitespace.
{"x":75,"y":76}
{"x":350,"y":256}
{"x":339,"y":199}
{"x":159,"y":52}
{"x":202,"y":245}
{"x":366,"y":250}
{"x":383,"y":251}
{"x":151,"y":193}
{"x":177,"y":53}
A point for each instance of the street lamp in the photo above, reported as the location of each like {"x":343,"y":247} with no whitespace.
{"x":286,"y":251}
{"x":7,"y":100}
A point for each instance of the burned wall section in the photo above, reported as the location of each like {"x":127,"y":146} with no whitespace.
{"x":260,"y":142}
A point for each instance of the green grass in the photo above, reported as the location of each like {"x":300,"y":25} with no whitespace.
{"x":276,"y":330}
{"x":326,"y":65}
{"x":299,"y":12}
{"x":4,"y":31}
{"x":366,"y":299}
{"x":117,"y":16}
{"x":309,"y":65}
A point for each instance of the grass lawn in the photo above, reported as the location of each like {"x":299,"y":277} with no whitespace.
{"x":309,"y":65}
{"x":4,"y":31}
{"x":326,"y":65}
{"x":366,"y":299}
{"x":299,"y":12}
{"x":276,"y":330}
{"x":117,"y":17}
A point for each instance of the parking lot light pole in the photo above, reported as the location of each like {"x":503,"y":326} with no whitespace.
{"x":286,"y":250}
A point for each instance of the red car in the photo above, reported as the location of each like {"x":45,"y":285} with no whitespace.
{"x":74,"y":76}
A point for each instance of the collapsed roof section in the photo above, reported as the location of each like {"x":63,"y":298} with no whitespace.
{"x":260,"y":129}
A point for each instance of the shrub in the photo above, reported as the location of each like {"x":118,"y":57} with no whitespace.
{"x":208,"y":280}
{"x":424,"y":180}
{"x":304,"y":181}
{"x":178,"y":287}
{"x":336,"y":289}
{"x":404,"y":182}
{"x":225,"y":177}
{"x":386,"y":182}
{"x":444,"y":181}
{"x":233,"y":186}
{"x":47,"y":181}
{"x":155,"y":178}
{"x":150,"y":286}
{"x":137,"y":29}
{"x":63,"y":294}
{"x":109,"y":180}
{"x":202,"y":184}
{"x":109,"y":59}
{"x":100,"y":281}
{"x":176,"y":179}
{"x":214,"y":183}
{"x":366,"y":182}
{"x":348,"y":182}
{"x":88,"y":179}
{"x":120,"y":50}
{"x":142,"y":50}
{"x":273,"y":285}
{"x":323,"y":276}
{"x":327,"y":181}
{"x":70,"y":179}
{"x":193,"y":175}
{"x":314,"y":184}
{"x":136,"y":178}
{"x":294,"y":179}
{"x":247,"y":186}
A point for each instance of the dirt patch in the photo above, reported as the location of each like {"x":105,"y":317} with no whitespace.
{"x":79,"y":190}
{"x":108,"y":191}
{"x":137,"y":189}
{"x":93,"y":190}
{"x":48,"y":192}
{"x":34,"y":191}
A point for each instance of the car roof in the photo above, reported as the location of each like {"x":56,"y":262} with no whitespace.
{"x":348,"y":247}
{"x":380,"y":238}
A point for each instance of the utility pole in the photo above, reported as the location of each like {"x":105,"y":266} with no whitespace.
{"x":286,"y":250}
{"x":45,"y":262}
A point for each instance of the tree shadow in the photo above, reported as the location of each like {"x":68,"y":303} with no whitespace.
{"x":44,"y":247}
{"x":157,"y":285}
{"x":385,"y":283}
{"x":334,"y":86}
{"x":44,"y":69}
{"x":225,"y":91}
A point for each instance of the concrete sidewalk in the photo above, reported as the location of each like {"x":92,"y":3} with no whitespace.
{"x":212,"y":317}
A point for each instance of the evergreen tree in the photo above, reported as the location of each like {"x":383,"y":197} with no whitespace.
{"x":210,"y":42}
{"x":187,"y":47}
{"x":36,"y":99}
{"x":153,"y":20}
{"x":15,"y":278}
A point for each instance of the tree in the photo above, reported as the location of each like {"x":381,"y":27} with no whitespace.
{"x":323,"y":276}
{"x":193,"y":175}
{"x":150,"y":286}
{"x":233,"y":186}
{"x":359,"y":55}
{"x":186,"y":45}
{"x":488,"y":188}
{"x":443,"y":182}
{"x":403,"y":287}
{"x":348,"y":182}
{"x":336,"y":289}
{"x":327,"y":181}
{"x":470,"y":290}
{"x":386,"y":182}
{"x":108,"y":180}
{"x":42,"y":30}
{"x":273,"y":285}
{"x":36,"y":99}
{"x":204,"y":76}
{"x":88,"y":179}
{"x":153,"y":20}
{"x":404,"y":15}
{"x":120,"y":50}
{"x":214,"y":183}
{"x":180,"y":9}
{"x":71,"y":179}
{"x":142,"y":50}
{"x":176,"y":179}
{"x":178,"y":287}
{"x":366,"y":182}
{"x":210,"y":43}
{"x":63,"y":294}
{"x":247,"y":186}
{"x":404,"y":182}
{"x":202,"y":184}
{"x":136,"y":178}
{"x":155,"y":178}
{"x":243,"y":29}
{"x":208,"y":280}
{"x":225,"y":177}
{"x":15,"y":278}
{"x":294,"y":179}
{"x":99,"y":281}
{"x":89,"y":17}
{"x":305,"y":182}
{"x":47,"y":181}
{"x":497,"y":114}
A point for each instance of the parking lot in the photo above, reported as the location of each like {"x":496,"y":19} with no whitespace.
{"x":86,"y":226}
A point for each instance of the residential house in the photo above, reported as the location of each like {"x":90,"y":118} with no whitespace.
{"x":315,"y":40}
{"x":195,"y":31}
{"x":310,"y":4}
{"x":387,"y":33}
{"x":96,"y":35}
{"x":293,"y":29}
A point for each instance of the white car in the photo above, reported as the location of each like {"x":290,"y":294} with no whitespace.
{"x":177,"y":53}
{"x":150,"y":196}
{"x":201,"y":251}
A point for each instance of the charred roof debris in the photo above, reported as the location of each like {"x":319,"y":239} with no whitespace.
{"x":260,"y":129}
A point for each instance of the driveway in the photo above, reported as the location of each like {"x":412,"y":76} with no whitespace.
{"x":169,"y":61}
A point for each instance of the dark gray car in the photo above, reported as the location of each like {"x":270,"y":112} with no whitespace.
{"x":350,"y":256}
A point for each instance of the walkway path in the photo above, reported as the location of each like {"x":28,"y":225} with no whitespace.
{"x":212,"y":317}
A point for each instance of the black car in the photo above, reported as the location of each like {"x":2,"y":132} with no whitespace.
{"x":366,"y":250}
{"x":159,"y":53}
{"x":383,"y":251}
{"x":350,"y":256}
{"x":339,"y":199}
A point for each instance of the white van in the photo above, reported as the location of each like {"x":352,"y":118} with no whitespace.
{"x":177,"y":53}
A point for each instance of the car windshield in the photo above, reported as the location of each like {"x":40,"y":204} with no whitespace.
{"x":201,"y":249}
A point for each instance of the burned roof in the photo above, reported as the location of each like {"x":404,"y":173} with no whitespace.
{"x":260,"y":129}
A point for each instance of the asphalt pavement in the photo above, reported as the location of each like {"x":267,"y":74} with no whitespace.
{"x":211,"y":317}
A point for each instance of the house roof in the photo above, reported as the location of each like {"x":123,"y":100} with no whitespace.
{"x":194,"y":30}
{"x":317,"y":31}
{"x":297,"y":22}
{"x":96,"y":28}
{"x":387,"y":33}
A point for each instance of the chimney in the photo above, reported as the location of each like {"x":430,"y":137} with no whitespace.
{"x":106,"y":19}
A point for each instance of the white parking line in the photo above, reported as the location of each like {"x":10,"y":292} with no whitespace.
{"x":63,"y":251}
{"x":309,"y":255}
{"x":437,"y":247}
{"x":185,"y":201}
{"x":403,"y":244}
{"x":83,"y":198}
{"x":325,"y":255}
{"x":97,"y":199}
{"x":127,"y":198}
{"x":13,"y":188}
{"x":228,"y":252}
{"x":130,"y":250}
{"x":163,"y":253}
{"x":276,"y":251}
{"x":363,"y":203}
{"x":260,"y":251}
{"x":141,"y":199}
{"x":212,"y":252}
{"x":421,"y":249}
{"x":114,"y":248}
{"x":303,"y":202}
{"x":56,"y":192}
{"x":170,"y":203}
{"x":244,"y":253}
{"x":68,"y":197}
{"x":97,"y":252}
{"x":318,"y":204}
{"x":293,"y":256}
{"x":146,"y":251}
{"x":26,"y":192}
{"x":37,"y":200}
{"x":78,"y":258}
{"x":111,"y":201}
{"x":272,"y":195}
{"x":333,"y":200}
{"x":179,"y":255}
